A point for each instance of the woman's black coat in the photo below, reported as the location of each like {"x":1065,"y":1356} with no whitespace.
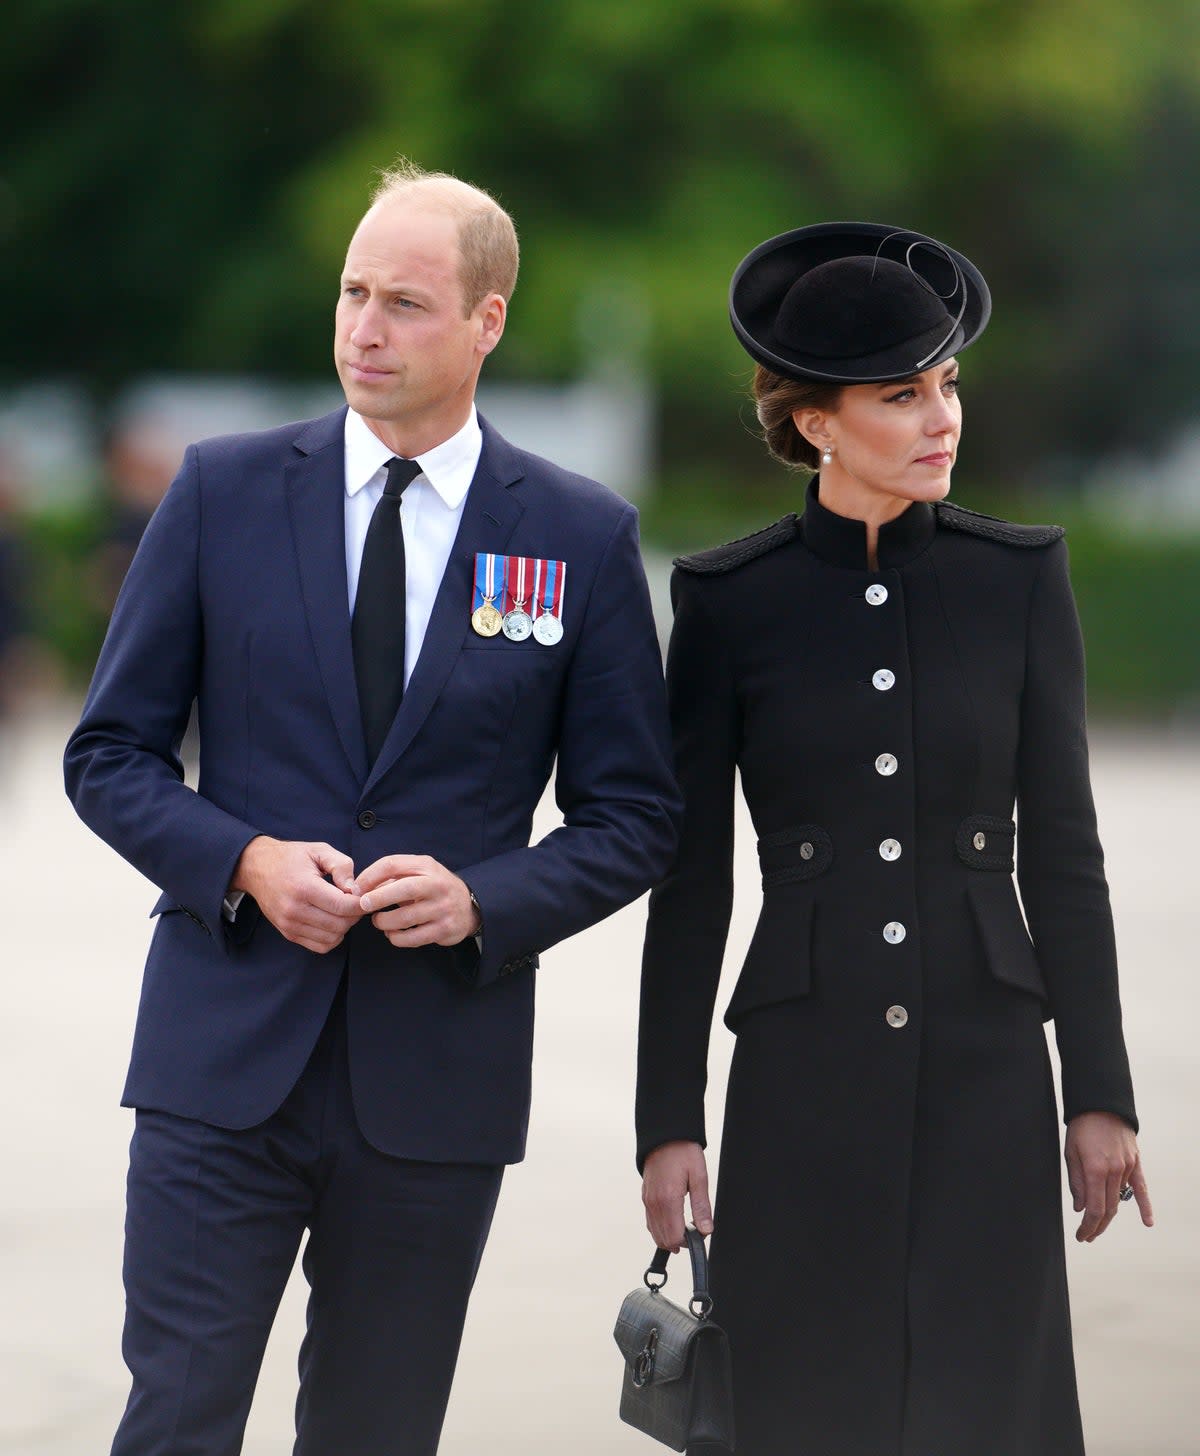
{"x":888,"y":1255}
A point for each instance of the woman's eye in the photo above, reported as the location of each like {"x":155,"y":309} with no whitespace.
{"x":899,"y":398}
{"x":951,"y":385}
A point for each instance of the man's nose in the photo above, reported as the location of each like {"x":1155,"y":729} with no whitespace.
{"x":367,"y":328}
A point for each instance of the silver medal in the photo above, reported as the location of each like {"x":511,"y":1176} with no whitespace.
{"x":548,"y":629}
{"x":518,"y":624}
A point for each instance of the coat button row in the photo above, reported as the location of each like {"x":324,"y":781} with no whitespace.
{"x":368,"y":819}
{"x":884,"y":679}
{"x":886,"y":764}
{"x":890,"y":849}
{"x":896,"y":1016}
{"x":894,"y":932}
{"x":876,"y":595}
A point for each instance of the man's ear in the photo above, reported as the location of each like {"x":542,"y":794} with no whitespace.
{"x":491,"y":312}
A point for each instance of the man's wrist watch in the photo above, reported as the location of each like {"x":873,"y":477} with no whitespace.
{"x":478,"y":911}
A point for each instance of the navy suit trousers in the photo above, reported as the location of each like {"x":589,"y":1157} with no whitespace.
{"x":213,"y":1224}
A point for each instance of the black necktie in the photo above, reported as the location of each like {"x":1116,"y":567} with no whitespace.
{"x":377,"y":627}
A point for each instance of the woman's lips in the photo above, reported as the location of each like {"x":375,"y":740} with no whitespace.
{"x":941,"y":458}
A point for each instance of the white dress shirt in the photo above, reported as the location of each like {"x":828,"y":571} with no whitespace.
{"x":429,"y":516}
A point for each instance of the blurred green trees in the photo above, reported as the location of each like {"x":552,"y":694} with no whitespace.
{"x":180,"y":181}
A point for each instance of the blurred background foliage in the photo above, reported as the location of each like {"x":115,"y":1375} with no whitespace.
{"x":180,"y":181}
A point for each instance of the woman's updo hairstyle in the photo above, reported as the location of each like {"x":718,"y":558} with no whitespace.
{"x":776,"y":399}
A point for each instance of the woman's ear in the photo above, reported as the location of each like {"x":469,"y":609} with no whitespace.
{"x":813,"y":424}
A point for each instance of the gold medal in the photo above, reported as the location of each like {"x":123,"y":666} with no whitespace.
{"x":486,"y":620}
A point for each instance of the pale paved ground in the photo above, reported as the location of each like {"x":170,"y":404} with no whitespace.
{"x":538,"y":1360}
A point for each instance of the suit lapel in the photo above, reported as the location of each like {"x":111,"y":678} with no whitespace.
{"x":489,"y":517}
{"x":315,"y":489}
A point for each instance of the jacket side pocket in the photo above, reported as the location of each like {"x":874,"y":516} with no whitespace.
{"x":1007,"y":947}
{"x":778,"y":965}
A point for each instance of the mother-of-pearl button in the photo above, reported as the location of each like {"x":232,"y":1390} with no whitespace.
{"x":894,"y":932}
{"x":897,"y":1016}
{"x":884,"y":679}
{"x":877,"y":595}
{"x":886,"y":763}
{"x":890,"y":849}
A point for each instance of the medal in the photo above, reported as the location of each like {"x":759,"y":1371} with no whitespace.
{"x":548,"y":627}
{"x":517,"y":624}
{"x":485,"y":618}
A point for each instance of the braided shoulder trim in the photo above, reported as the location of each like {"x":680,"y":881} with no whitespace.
{"x":992,"y":528}
{"x":736,"y":553}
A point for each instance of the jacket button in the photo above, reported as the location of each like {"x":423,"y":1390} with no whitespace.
{"x":367,"y":819}
{"x":877,"y":595}
{"x":884,"y":679}
{"x":890,"y":849}
{"x":980,"y":841}
{"x":886,"y":763}
{"x":894,"y":932}
{"x":897,"y":1017}
{"x":806,"y":850}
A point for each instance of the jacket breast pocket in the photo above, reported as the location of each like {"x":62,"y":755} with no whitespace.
{"x":778,"y":965}
{"x":1007,"y":947}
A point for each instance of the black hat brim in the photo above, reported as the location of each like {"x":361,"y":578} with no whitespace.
{"x":763,"y":278}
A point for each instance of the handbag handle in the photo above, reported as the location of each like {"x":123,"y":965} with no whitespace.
{"x":700,"y":1303}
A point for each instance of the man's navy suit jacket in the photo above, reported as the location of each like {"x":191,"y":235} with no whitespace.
{"x":237,"y":599}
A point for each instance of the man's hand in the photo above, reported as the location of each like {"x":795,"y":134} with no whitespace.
{"x":415,"y":901}
{"x":1102,"y":1158}
{"x":672,"y":1170}
{"x":287,"y":879}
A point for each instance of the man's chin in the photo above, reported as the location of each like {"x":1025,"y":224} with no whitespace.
{"x":368,"y":402}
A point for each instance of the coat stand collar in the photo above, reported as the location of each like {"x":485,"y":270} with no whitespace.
{"x":842,"y":541}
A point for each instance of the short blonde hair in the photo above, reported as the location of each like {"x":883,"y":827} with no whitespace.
{"x":487,"y":236}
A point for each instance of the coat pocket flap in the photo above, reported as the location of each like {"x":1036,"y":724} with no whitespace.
{"x":778,"y":965}
{"x":1006,"y":943}
{"x":796,"y":854}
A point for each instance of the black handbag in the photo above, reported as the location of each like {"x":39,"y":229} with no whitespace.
{"x":677,"y":1385}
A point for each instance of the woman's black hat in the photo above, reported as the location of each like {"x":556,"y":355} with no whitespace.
{"x":856,"y":302}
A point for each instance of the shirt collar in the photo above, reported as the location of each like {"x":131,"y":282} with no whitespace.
{"x":449,"y":467}
{"x":842,"y":541}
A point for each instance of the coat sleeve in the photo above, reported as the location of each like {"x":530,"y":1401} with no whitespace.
{"x":122,"y":766}
{"x":689,"y":912}
{"x":1060,"y":863}
{"x":613,"y":782}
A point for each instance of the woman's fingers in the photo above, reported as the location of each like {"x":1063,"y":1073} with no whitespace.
{"x":1137,"y":1181}
{"x":673,"y":1171}
{"x":698,"y":1197}
{"x":1075,"y":1181}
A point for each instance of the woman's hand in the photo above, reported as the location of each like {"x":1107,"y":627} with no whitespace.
{"x":1102,"y":1158}
{"x":672,"y":1170}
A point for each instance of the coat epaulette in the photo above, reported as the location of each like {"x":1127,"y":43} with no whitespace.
{"x":992,"y":528}
{"x":736,"y":553}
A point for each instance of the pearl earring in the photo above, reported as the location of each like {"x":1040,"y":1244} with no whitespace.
{"x":827,"y":455}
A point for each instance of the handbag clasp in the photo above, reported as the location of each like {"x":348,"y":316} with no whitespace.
{"x":643,"y":1366}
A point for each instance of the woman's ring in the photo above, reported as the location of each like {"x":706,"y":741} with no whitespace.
{"x":1126,"y":1193}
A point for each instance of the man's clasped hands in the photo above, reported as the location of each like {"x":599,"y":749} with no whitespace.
{"x":311,"y":895}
